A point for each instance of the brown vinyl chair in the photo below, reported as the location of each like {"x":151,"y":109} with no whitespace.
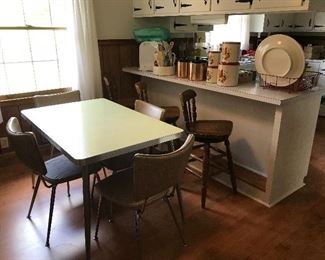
{"x":55,"y":99}
{"x":119,"y":163}
{"x":110,"y":92}
{"x":51,"y":173}
{"x":207,"y":132}
{"x":171,"y":112}
{"x":151,"y":179}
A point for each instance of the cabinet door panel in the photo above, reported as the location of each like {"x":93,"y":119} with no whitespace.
{"x":273,"y":23}
{"x":225,"y":5}
{"x":319,"y":24}
{"x":193,"y":6}
{"x":166,"y":6}
{"x":303,"y":22}
{"x":261,"y":4}
{"x":143,"y":7}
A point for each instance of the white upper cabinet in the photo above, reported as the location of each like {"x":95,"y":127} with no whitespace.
{"x":264,"y":4}
{"x":194,"y":6}
{"x":229,"y":5}
{"x":303,"y":22}
{"x":143,"y":7}
{"x":166,"y":6}
{"x":319,"y":23}
{"x":273,"y":23}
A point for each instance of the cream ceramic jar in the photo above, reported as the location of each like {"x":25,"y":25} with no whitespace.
{"x":214,"y":58}
{"x":212,"y":75}
{"x":228,"y":75}
{"x":230,"y":52}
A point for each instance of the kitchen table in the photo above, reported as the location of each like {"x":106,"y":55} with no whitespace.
{"x":91,"y":131}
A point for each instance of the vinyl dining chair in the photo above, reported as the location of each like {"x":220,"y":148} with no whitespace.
{"x":125,"y":161}
{"x":55,"y":99}
{"x":51,"y":173}
{"x":150,"y":179}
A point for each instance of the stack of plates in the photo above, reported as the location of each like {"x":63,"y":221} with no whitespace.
{"x":280,"y":60}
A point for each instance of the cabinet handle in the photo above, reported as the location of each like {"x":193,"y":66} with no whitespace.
{"x":205,"y":2}
{"x":243,"y":1}
{"x":268,"y":23}
{"x":276,"y":26}
{"x":310,"y":22}
{"x":149,"y":3}
{"x":179,"y":25}
{"x":282,"y":23}
{"x":298,"y":26}
{"x":136,"y":9}
{"x":185,"y":5}
{"x":160,"y":7}
{"x":175,"y":3}
{"x":318,"y":26}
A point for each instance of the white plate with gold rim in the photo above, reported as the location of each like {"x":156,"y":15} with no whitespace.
{"x":280,"y":60}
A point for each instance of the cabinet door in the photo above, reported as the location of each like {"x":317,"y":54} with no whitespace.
{"x":273,"y":23}
{"x":288,"y":22}
{"x":262,"y":4}
{"x":228,"y":5}
{"x":303,"y":22}
{"x":194,"y":6}
{"x":143,"y":7}
{"x":166,"y":6}
{"x":319,"y":24}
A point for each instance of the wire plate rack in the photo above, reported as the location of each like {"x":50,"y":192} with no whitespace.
{"x":307,"y":81}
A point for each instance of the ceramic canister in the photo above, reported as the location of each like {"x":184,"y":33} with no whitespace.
{"x":212,"y":74}
{"x":230,"y":52}
{"x":228,"y":74}
{"x":214,"y":58}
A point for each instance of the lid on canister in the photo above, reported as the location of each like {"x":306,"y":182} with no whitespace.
{"x":237,"y":43}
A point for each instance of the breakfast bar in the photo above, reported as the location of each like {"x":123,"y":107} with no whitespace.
{"x":273,"y":129}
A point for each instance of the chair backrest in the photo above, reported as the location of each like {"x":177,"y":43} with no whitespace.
{"x":25,"y":146}
{"x":154,"y":174}
{"x":188,"y":104}
{"x":141,"y":89}
{"x":149,"y":109}
{"x":109,"y":89}
{"x":55,"y":99}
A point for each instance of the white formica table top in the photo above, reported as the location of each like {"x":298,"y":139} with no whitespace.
{"x":250,"y":91}
{"x":93,"y":130}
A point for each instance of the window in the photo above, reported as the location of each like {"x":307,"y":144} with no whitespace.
{"x":236,"y":30}
{"x":35,"y":50}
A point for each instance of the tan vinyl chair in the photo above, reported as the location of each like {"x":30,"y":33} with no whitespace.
{"x":125,"y":161}
{"x":51,"y":173}
{"x":55,"y":99}
{"x":151,"y":179}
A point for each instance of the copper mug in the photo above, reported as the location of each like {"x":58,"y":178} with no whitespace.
{"x":197,"y":70}
{"x":182,"y":68}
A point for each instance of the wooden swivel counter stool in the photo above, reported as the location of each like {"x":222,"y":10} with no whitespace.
{"x":207,"y":132}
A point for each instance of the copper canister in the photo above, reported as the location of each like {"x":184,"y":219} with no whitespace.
{"x":197,"y":70}
{"x":182,"y":68}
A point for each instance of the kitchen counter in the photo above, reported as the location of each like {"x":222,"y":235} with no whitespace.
{"x":273,"y":130}
{"x":248,"y":90}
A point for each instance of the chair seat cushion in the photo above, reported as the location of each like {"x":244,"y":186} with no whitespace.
{"x":171,"y":113}
{"x":60,"y":169}
{"x":118,"y":188}
{"x":217,"y":130}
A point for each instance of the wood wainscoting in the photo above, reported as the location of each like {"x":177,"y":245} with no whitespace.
{"x":114,"y":55}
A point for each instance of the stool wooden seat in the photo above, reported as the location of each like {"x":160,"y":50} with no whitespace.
{"x":171,"y":112}
{"x":207,"y":132}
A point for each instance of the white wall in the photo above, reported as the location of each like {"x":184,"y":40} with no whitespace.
{"x":114,"y":19}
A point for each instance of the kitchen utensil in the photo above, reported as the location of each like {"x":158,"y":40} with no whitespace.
{"x":212,"y":75}
{"x":228,"y":74}
{"x":197,"y":70}
{"x":214,"y":58}
{"x":230,"y":52}
{"x":280,"y":60}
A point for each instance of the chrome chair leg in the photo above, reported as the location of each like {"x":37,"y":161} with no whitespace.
{"x":175,"y":220}
{"x":68,"y":189}
{"x":47,"y":244}
{"x":99,"y":215}
{"x":180,"y":202}
{"x":34,"y":196}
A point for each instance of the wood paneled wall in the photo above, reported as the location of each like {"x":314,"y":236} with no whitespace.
{"x":114,"y":55}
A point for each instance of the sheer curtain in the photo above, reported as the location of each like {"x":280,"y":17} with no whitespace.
{"x":236,"y":30}
{"x":83,"y":28}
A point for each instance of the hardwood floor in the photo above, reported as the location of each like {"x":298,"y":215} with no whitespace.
{"x":232,"y":226}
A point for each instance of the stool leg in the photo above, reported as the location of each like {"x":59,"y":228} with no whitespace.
{"x":231,"y":167}
{"x":205,"y":174}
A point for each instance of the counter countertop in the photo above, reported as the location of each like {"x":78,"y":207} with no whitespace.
{"x":247,"y":90}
